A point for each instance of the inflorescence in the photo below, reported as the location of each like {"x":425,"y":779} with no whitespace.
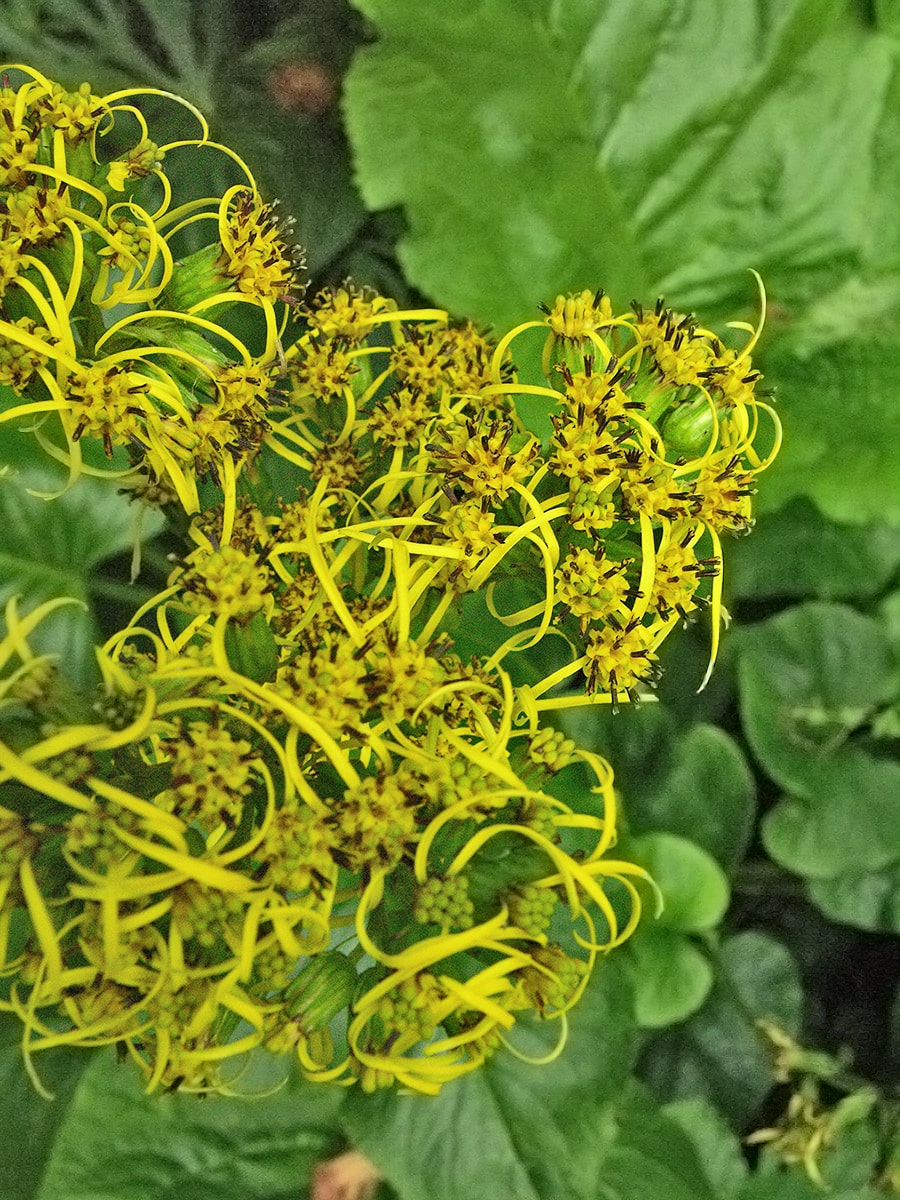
{"x":119,"y":294}
{"x":315,"y":805}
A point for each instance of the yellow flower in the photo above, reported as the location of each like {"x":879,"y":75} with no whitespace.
{"x":275,"y":822}
{"x":218,"y":829}
{"x":86,"y":236}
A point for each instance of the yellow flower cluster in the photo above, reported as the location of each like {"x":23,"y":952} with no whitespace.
{"x":218,"y":858}
{"x":314,"y":806}
{"x":115,"y":291}
{"x":403,"y":427}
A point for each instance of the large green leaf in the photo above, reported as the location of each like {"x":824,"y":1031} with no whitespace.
{"x":693,"y":885}
{"x":651,"y":1157}
{"x":116,"y":1143}
{"x":889,"y":612}
{"x":719,"y":1053}
{"x":180,"y":46}
{"x":809,"y":678}
{"x":672,"y":976}
{"x":867,"y":899}
{"x":643,"y":147}
{"x":511,"y":1131}
{"x":661,"y":148}
{"x":845,"y":821}
{"x":691,"y":781}
{"x":839,"y":412}
{"x":782,"y":1186}
{"x":29,"y":1121}
{"x":797,"y":553}
{"x":717,"y":1145}
{"x":813,"y":683}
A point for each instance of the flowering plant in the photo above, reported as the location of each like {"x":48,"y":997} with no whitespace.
{"x":315,"y":803}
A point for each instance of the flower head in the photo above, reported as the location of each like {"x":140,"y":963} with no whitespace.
{"x":220,"y":831}
{"x":110,"y":330}
{"x":277,"y":821}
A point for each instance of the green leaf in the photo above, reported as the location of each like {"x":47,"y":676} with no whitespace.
{"x":719,"y":1053}
{"x":29,"y":1121}
{"x":116,"y":1143}
{"x":716,"y":1144}
{"x":180,"y":45}
{"x":887,"y":17}
{"x":866,"y":899}
{"x":651,"y":1158}
{"x":798,"y":553}
{"x":510,"y":1131}
{"x":489,"y":169}
{"x":694,"y":887}
{"x":797,"y":1187}
{"x":808,"y":678}
{"x":812,"y":680}
{"x":693,"y":782}
{"x":53,"y":547}
{"x":783,"y":1186}
{"x":778,"y":1183}
{"x":557,"y":145}
{"x":834,"y":405}
{"x":707,"y":795}
{"x":889,"y":613}
{"x":671,"y":976}
{"x":846,"y":820}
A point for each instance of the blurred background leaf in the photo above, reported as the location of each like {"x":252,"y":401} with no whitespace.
{"x":838,"y":406}
{"x":719,"y":1053}
{"x":29,"y":1121}
{"x":113,"y":1142}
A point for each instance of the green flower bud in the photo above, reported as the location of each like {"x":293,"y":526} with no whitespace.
{"x":251,"y":648}
{"x":165,"y":331}
{"x":688,"y":427}
{"x":196,"y":278}
{"x":322,"y":989}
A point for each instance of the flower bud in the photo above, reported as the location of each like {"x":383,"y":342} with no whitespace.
{"x":251,"y":648}
{"x":196,"y":278}
{"x":322,"y":989}
{"x":687,"y":428}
